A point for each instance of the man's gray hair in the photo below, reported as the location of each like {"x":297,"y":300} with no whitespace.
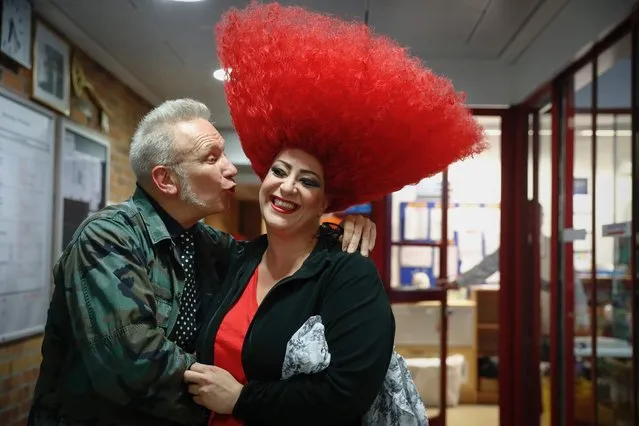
{"x":152,"y":143}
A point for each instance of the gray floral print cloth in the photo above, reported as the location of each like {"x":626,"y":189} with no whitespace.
{"x":398,"y":402}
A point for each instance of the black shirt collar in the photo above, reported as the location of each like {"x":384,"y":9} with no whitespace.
{"x":172,"y":225}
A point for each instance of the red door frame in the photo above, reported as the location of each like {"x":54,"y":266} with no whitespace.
{"x":635,"y":209}
{"x":517,"y":342}
{"x":535,"y":409}
{"x":561,"y":341}
{"x":521,"y":222}
{"x":380,"y":215}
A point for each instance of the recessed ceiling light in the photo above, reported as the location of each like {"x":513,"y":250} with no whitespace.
{"x":221,"y":74}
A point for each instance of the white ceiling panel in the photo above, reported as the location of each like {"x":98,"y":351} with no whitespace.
{"x":543,"y":15}
{"x":434,"y":29}
{"x":500,"y":23}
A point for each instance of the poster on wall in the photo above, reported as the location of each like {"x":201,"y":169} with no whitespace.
{"x":26,"y":216}
{"x":83,"y":179}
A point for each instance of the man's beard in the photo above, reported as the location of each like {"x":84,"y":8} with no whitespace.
{"x":186,"y":192}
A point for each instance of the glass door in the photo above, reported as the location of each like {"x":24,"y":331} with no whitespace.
{"x":581,"y":172}
{"x":596,"y":233}
{"x":442,"y":231}
{"x":583,"y":182}
{"x":539,"y":209}
{"x":609,"y":288}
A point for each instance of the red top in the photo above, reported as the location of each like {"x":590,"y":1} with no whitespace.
{"x":227,"y":350}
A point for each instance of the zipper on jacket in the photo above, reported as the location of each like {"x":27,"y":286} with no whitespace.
{"x":249,"y":332}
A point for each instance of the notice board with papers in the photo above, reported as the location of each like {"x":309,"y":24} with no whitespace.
{"x":27,"y":154}
{"x":82,"y":179}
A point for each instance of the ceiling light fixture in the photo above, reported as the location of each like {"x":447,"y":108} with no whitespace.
{"x":187,"y":1}
{"x":222,"y":74}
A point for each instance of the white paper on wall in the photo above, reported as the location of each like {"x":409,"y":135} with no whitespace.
{"x":415,"y":222}
{"x":416,"y":256}
{"x":82,"y":179}
{"x":435,"y":224}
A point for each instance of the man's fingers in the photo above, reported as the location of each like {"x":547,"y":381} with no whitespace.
{"x":194,"y":389}
{"x":357,"y":234}
{"x":368,"y":238}
{"x":348,"y":231}
{"x":364,"y":246}
{"x":373,"y":237}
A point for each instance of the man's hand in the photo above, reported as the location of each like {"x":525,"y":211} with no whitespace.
{"x":213,"y":387}
{"x":358,"y":231}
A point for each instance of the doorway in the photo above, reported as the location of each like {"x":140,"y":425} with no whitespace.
{"x":444,"y":283}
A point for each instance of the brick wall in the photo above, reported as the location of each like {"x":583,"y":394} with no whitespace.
{"x":19,"y":361}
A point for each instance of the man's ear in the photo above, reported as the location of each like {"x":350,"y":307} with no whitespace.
{"x":165,"y":180}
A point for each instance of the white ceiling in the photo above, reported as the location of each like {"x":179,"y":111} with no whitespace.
{"x":165,"y":49}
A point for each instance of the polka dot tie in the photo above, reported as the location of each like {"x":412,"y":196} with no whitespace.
{"x":186,"y":327}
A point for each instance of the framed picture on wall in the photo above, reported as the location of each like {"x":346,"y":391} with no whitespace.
{"x":51,"y":84}
{"x":15,"y":34}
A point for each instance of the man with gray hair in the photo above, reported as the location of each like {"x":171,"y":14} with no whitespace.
{"x":132,"y":285}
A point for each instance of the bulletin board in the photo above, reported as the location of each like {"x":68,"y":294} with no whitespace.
{"x":27,"y":154}
{"x":82,"y":165}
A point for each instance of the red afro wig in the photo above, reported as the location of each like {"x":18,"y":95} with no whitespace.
{"x":374,"y":116}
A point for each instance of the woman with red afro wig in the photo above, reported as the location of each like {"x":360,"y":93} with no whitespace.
{"x":330,"y":115}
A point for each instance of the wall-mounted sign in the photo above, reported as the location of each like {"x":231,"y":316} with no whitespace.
{"x":622,"y":229}
{"x":580,"y":186}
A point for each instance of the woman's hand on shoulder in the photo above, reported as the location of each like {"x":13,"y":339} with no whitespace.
{"x":213,"y":387}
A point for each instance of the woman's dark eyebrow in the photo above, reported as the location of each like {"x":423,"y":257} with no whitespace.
{"x":302,"y":170}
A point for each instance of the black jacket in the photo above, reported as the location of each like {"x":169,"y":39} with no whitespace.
{"x":347,"y":292}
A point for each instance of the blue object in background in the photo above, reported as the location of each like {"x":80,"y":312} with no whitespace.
{"x":359,"y":209}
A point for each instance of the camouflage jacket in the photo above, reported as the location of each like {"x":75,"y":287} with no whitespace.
{"x":106,"y":356}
